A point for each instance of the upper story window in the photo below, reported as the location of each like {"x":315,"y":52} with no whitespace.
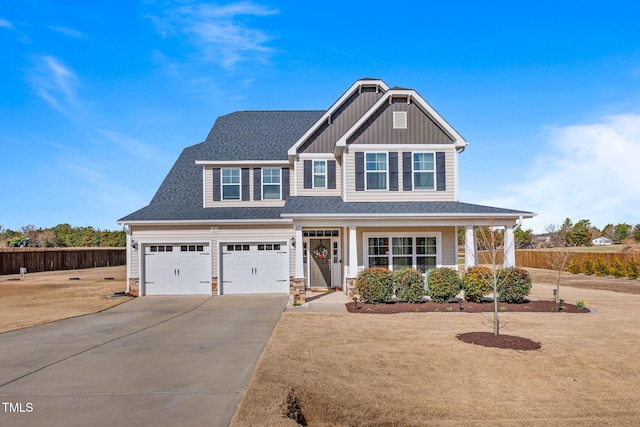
{"x":376,"y":171}
{"x":319,"y":174}
{"x":423,"y":171}
{"x":271,"y":188}
{"x":230,"y":183}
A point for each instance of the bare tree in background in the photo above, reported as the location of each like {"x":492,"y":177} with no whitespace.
{"x":557,"y":259}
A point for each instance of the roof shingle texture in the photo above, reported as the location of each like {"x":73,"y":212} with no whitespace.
{"x":244,"y":135}
{"x":302,"y":205}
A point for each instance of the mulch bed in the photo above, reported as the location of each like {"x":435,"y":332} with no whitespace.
{"x":467,"y":307}
{"x":487,"y":339}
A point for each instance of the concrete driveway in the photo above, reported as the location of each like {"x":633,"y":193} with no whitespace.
{"x":162,"y":361}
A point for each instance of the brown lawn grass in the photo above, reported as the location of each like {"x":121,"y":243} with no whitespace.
{"x":49,"y":296}
{"x":410,"y":370}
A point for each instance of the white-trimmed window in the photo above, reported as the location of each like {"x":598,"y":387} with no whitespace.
{"x":398,"y":251}
{"x":319,"y":174}
{"x":376,"y":171}
{"x":271,"y":189}
{"x":424,"y":171}
{"x":230,"y":183}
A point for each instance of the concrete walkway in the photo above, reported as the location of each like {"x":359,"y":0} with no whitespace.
{"x":323,"y":302}
{"x":161,"y":361}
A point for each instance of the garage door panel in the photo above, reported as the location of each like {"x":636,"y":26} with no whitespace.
{"x":172,"y":269}
{"x":255,"y":268}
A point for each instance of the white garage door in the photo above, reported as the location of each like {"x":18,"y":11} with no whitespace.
{"x":177,"y":269}
{"x":255,"y":268}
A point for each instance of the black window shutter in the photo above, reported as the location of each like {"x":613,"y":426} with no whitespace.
{"x":217,"y":190}
{"x":285,"y":183}
{"x":407,"y":171}
{"x":441,"y":172}
{"x":257,"y":184}
{"x":331,"y":174}
{"x":393,"y":171}
{"x":308,"y":174}
{"x":359,"y":171}
{"x":245,"y":184}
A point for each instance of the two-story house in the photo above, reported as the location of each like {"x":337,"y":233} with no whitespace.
{"x":273,"y":199}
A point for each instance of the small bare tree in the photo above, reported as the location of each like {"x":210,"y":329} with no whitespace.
{"x":492,"y":240}
{"x":557,"y":259}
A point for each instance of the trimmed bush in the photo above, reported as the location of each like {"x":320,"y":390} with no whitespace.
{"x":600,"y":267}
{"x":632,"y":269}
{"x":588,"y":267}
{"x":575,"y":268}
{"x":408,"y":284}
{"x":514,"y":284}
{"x":443,"y":284}
{"x":374,"y":285}
{"x":617,"y":269}
{"x":476,"y":283}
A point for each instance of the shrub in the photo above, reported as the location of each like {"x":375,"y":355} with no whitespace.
{"x":477,"y":282}
{"x":632,"y":269}
{"x":408,"y":284}
{"x":575,"y":268}
{"x":514,"y":284}
{"x":617,"y":269}
{"x":601,"y":268}
{"x":374,"y":285}
{"x":588,"y":267}
{"x":443,"y":284}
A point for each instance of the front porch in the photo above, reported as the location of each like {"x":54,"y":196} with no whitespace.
{"x":330,"y":258}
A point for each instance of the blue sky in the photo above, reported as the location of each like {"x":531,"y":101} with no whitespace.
{"x":97,"y":99}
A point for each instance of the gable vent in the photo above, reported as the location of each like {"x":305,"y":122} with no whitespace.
{"x":399,"y":119}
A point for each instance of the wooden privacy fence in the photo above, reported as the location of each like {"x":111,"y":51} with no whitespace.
{"x":536,"y":258}
{"x":50,"y":259}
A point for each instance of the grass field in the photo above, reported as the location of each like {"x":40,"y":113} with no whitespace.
{"x":410,"y":370}
{"x":49,"y":296}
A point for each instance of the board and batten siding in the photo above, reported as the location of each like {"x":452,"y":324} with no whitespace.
{"x":421,"y":127}
{"x":449,"y":243}
{"x":400,"y":194}
{"x":324,"y":138}
{"x":212,"y":235}
{"x":208,"y":190}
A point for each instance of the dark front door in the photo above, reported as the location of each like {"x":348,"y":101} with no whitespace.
{"x":320,"y":253}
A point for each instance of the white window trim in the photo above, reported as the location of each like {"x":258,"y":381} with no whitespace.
{"x":413,"y":171}
{"x":313,"y":173}
{"x":222,"y":185}
{"x":390,"y":236}
{"x":269,"y":183}
{"x":366,"y":187}
{"x":399,"y":120}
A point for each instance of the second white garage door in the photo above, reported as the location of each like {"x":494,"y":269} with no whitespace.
{"x":255,"y":268}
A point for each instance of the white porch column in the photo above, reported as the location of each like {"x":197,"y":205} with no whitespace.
{"x":470,"y":247}
{"x":353,"y":252}
{"x":509,"y":247}
{"x":299,"y":254}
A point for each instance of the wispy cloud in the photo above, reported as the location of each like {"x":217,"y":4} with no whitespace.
{"x":70,"y":32}
{"x":54,"y":82}
{"x":5,"y":24}
{"x":131,"y":145}
{"x":587,"y":172}
{"x":218,"y":30}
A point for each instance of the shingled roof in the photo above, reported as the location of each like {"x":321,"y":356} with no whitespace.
{"x":244,"y":135}
{"x":305,"y":205}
